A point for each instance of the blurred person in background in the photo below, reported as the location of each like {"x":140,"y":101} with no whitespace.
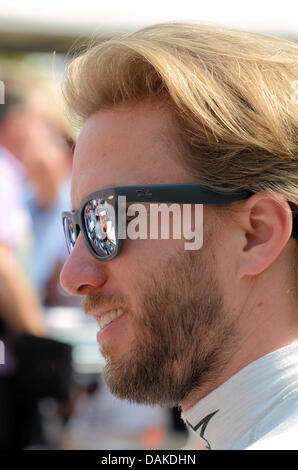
{"x":47,"y":188}
{"x":20,"y":307}
{"x":212,"y":330}
{"x":29,"y":154}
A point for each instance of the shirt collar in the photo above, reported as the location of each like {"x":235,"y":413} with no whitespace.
{"x":230,"y":412}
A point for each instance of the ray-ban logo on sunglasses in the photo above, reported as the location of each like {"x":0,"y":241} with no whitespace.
{"x":161,"y":221}
{"x":143,"y":192}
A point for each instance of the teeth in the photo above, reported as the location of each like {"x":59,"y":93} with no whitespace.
{"x":108,"y":317}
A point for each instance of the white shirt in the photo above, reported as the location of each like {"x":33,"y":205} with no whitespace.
{"x":15,"y":221}
{"x":257,"y":408}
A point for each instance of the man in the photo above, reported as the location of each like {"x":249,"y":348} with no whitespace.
{"x":20,"y":308}
{"x":27,"y":151}
{"x":32,"y":164}
{"x":213,"y":329}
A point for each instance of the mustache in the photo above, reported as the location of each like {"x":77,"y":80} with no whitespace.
{"x":99,"y":299}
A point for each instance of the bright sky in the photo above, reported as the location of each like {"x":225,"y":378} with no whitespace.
{"x":265,"y":15}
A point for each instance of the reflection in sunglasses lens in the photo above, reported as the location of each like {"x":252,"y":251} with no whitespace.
{"x":100,"y":227}
{"x":70,"y":233}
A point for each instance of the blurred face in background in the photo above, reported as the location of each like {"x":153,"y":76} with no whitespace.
{"x":171,"y":330}
{"x":30,"y":136}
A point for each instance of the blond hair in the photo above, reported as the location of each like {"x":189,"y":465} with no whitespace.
{"x":231,"y":93}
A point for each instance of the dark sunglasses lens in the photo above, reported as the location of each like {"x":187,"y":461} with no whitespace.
{"x":99,"y":218}
{"x":70,"y":233}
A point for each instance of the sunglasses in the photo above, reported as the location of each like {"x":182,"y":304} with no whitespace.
{"x":102,"y":214}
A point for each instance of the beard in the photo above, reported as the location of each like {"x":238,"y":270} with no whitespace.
{"x":183,"y":335}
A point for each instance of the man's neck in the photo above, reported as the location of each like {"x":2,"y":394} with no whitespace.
{"x":266,"y":321}
{"x":242,"y":410}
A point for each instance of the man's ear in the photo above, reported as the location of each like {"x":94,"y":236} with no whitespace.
{"x":266,"y":226}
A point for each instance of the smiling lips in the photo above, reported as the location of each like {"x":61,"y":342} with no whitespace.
{"x":106,"y":318}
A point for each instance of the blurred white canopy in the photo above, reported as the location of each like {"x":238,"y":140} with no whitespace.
{"x":98,"y":16}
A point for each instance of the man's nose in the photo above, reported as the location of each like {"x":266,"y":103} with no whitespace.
{"x":82,"y":273}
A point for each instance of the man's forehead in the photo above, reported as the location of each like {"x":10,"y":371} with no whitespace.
{"x":118,"y":147}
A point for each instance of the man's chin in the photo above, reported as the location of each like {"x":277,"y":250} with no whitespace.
{"x":124,"y":379}
{"x":137,"y":380}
